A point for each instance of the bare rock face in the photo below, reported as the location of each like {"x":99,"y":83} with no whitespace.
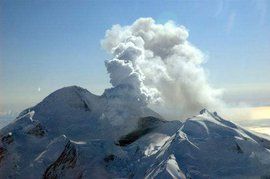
{"x":37,"y":131}
{"x":7,"y":139}
{"x":67,"y":160}
{"x":2,"y":153}
{"x":145,"y":125}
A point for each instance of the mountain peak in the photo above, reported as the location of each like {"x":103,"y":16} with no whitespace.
{"x":72,"y":97}
{"x":204,"y":110}
{"x":116,"y":139}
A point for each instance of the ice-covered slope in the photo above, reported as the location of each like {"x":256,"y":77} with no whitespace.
{"x":207,"y":146}
{"x":75,"y":134}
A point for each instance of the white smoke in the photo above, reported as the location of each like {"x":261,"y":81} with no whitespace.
{"x":161,"y":66}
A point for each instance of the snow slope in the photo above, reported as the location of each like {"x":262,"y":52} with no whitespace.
{"x":75,"y":134}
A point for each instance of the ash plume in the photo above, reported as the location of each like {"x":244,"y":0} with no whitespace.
{"x":163,"y":69}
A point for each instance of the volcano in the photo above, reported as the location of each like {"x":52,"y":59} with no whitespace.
{"x":73,"y":133}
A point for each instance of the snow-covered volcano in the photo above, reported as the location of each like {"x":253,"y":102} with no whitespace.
{"x":75,"y":134}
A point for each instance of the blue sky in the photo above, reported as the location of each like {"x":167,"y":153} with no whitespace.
{"x":45,"y":45}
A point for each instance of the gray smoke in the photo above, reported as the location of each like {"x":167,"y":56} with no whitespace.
{"x":161,"y":66}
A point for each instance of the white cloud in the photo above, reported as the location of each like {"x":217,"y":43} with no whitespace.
{"x":160,"y":67}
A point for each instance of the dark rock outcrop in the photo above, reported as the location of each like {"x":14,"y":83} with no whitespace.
{"x":67,"y":160}
{"x":145,"y":125}
{"x":2,"y":153}
{"x":7,"y":139}
{"x":37,"y":131}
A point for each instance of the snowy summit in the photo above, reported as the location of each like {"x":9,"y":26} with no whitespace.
{"x":73,"y":133}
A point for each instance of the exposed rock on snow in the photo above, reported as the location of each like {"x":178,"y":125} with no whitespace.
{"x":7,"y":139}
{"x":145,"y":125}
{"x":66,"y":160}
{"x":2,"y":153}
{"x":37,"y":130}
